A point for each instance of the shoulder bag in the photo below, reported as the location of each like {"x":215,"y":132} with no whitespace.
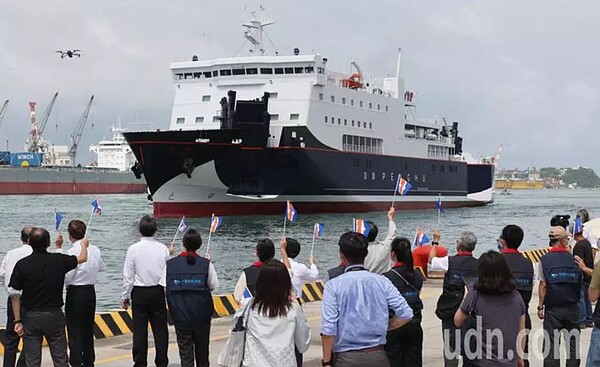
{"x":232,"y":354}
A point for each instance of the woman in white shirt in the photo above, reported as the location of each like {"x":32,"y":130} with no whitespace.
{"x":276,"y":323}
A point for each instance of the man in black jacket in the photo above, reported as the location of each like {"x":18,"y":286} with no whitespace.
{"x":265,"y":251}
{"x":522,"y":269}
{"x":461,"y":272}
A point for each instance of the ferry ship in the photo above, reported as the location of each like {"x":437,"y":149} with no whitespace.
{"x":249,"y":133}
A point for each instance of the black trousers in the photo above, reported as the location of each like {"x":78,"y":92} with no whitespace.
{"x":565,"y":318}
{"x":49,"y":324}
{"x":404,"y":346}
{"x":80,"y":310}
{"x":149,"y":306}
{"x":11,"y":340}
{"x":193,"y":345}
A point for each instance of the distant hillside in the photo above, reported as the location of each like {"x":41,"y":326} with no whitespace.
{"x":580,"y":176}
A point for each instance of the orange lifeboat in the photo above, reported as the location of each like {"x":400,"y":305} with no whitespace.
{"x":353,"y":82}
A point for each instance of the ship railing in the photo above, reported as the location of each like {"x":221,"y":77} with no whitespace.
{"x":60,"y":169}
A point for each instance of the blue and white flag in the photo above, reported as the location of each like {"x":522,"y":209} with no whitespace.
{"x":420,"y":238}
{"x":96,"y":208}
{"x":438,"y":205}
{"x":361,"y":226}
{"x":182,"y":226}
{"x":247,"y":294}
{"x":57,"y":220}
{"x":318,"y":232}
{"x":578,"y":226}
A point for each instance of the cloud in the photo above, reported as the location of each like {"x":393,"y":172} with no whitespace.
{"x":522,"y":73}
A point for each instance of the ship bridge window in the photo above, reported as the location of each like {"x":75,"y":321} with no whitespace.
{"x":361,"y":104}
{"x":206,"y":98}
{"x":215,"y":73}
{"x":309,"y":69}
{"x":199,"y":119}
{"x":294,"y":116}
{"x":320,"y":96}
{"x":266,"y":71}
{"x":274,"y":117}
{"x":320,"y":70}
{"x":298,"y":70}
{"x":339,"y":121}
{"x":325,"y":119}
{"x":378,"y":107}
{"x":351,"y":102}
{"x":188,"y":75}
{"x":343,"y":100}
{"x":239,"y":71}
{"x":179,"y":76}
{"x":370,"y":125}
{"x":197,"y":75}
{"x":278,"y":70}
{"x":387,"y":108}
{"x":251,"y":71}
{"x":332,"y":98}
{"x":273,"y":95}
{"x":362,"y":144}
{"x":289,"y":70}
{"x":207,"y":74}
{"x":370,"y":105}
{"x":225,"y":72}
{"x":352,"y":123}
{"x":180,"y":121}
{"x":216,"y":119}
{"x":345,"y":122}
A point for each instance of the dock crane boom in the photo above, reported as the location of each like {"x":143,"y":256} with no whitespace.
{"x":34,"y":143}
{"x":78,"y":132}
{"x":3,"y":111}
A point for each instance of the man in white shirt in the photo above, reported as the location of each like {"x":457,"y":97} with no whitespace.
{"x":144,"y":287}
{"x":80,"y":305}
{"x":378,"y":259}
{"x":301,"y":273}
{"x":11,"y":340}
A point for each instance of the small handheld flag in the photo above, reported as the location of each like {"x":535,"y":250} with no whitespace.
{"x":318,"y":231}
{"x":247,"y":294}
{"x":362,"y":227}
{"x":578,"y":226}
{"x":291,"y":213}
{"x":182,"y":226}
{"x":96,"y":208}
{"x":215,"y":223}
{"x":403,"y":186}
{"x":438,"y":204}
{"x":57,"y":220}
{"x":420,"y":238}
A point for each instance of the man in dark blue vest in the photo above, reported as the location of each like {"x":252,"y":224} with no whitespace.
{"x":265,"y":251}
{"x":190,"y":281}
{"x":461,"y":273}
{"x":560,"y":283}
{"x":522,"y":269}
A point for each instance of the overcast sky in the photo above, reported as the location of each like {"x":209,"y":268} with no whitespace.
{"x":524,"y":73}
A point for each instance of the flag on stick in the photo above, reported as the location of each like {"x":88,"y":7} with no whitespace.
{"x":578,"y":226}
{"x":96,"y":208}
{"x":291,"y":215}
{"x":420,"y":238}
{"x":57,"y":219}
{"x":317,"y":232}
{"x":181,"y":228}
{"x":402,"y":186}
{"x":361,"y":226}
{"x":215,"y":223}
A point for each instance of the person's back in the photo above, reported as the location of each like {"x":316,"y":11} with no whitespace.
{"x":265,"y":251}
{"x":583,"y":249}
{"x":462,"y":272}
{"x":497,"y":312}
{"x":150,"y":267}
{"x":275,"y":324}
{"x":188,"y":294}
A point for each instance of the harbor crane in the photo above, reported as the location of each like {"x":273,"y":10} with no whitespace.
{"x":78,"y":132}
{"x":3,"y":111}
{"x":35,"y":143}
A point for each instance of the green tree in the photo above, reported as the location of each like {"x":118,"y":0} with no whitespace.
{"x":583,"y":177}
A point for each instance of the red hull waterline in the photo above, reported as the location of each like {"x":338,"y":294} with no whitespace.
{"x":177,"y":210}
{"x":58,"y":188}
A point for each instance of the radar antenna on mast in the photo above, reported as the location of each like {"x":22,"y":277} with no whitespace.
{"x":255,"y":32}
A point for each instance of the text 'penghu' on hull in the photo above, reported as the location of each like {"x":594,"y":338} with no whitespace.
{"x":330,"y":142}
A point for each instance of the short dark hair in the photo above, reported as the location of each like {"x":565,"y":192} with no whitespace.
{"x":512,"y":236}
{"x":39,"y":238}
{"x":148,"y":226}
{"x":265,"y":250}
{"x":402,"y":248}
{"x":494,"y":274}
{"x":25,"y":233}
{"x":354,"y":247}
{"x":373,"y":231}
{"x":273,"y":287}
{"x":293,"y":247}
{"x":76,"y":229}
{"x":192,"y":242}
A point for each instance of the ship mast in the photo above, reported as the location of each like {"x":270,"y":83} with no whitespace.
{"x":255,"y":31}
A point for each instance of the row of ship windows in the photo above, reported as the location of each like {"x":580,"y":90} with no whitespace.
{"x":362,"y":144}
{"x":352,"y":123}
{"x":250,"y":71}
{"x":200,"y":119}
{"x":360,"y":103}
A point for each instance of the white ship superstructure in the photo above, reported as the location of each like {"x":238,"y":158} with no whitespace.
{"x":114,"y":153}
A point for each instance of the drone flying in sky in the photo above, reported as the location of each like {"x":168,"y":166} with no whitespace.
{"x":69,"y":53}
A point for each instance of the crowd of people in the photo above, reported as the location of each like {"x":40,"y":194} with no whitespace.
{"x":370,"y":314}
